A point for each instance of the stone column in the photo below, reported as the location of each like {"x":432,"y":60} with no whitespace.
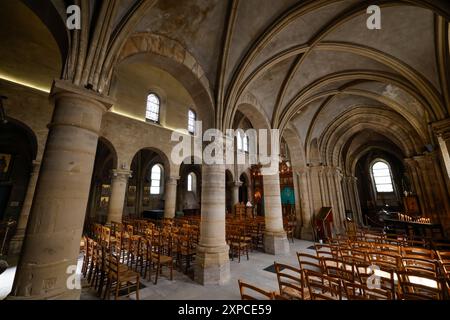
{"x":15,"y":245}
{"x":235,"y":192}
{"x":353,"y":199}
{"x":340,"y":197}
{"x":429,"y":185}
{"x":298,"y":208}
{"x":119,"y":182}
{"x":307,"y":208}
{"x":170,"y":196}
{"x":212,"y":262}
{"x":275,"y":239}
{"x":442,"y":131}
{"x":52,"y":240}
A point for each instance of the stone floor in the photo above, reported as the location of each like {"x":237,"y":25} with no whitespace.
{"x":183,"y":287}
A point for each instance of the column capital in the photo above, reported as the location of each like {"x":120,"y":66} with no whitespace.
{"x":352,"y":179}
{"x":121,"y":173}
{"x":64,"y":87}
{"x":428,"y":156}
{"x":172,"y":179}
{"x":442,"y":128}
{"x":236,"y":183}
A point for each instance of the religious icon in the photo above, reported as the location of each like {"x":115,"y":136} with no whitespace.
{"x":104,"y":203}
{"x":106,"y":189}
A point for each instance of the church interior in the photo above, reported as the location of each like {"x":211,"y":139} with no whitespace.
{"x":337,"y":110}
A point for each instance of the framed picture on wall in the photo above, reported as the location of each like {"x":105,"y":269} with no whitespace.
{"x":104,"y":201}
{"x":5,"y":165}
{"x":411,"y":204}
{"x":106,"y":190}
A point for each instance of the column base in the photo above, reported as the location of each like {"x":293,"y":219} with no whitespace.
{"x":307,"y":234}
{"x":212,"y":265}
{"x":66,"y":295}
{"x":276,"y":243}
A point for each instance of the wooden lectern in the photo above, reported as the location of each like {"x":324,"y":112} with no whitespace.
{"x":323,"y":224}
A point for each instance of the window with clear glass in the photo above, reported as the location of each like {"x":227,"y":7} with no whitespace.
{"x":382,"y":177}
{"x":191,"y":182}
{"x":245,"y":143}
{"x":153,"y":106}
{"x":156,"y":177}
{"x":192,"y":117}
{"x":239,"y":141}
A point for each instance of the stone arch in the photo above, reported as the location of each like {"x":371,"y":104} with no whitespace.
{"x":49,"y":15}
{"x":112,"y":149}
{"x":333,"y":138}
{"x":250,"y":107}
{"x":30,"y":135}
{"x":168,"y":167}
{"x":170,"y":56}
{"x":350,"y":167}
{"x":295,"y":144}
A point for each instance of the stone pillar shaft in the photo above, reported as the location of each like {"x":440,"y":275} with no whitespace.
{"x":16,"y":242}
{"x":170,"y":196}
{"x":212,"y":259}
{"x":275,"y":239}
{"x":119,"y":182}
{"x":52,"y":240}
{"x":235,"y":192}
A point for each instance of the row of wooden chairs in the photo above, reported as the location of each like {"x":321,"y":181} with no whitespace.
{"x":105,"y":273}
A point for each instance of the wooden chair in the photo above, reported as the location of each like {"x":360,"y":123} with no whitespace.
{"x":360,"y":254}
{"x":256,"y":293}
{"x":425,"y":266}
{"x":134,"y":253}
{"x":418,"y":252}
{"x":391,"y":249}
{"x":418,"y":286}
{"x":158,"y":260}
{"x":309,"y":262}
{"x":238,"y":245}
{"x":120,"y":279}
{"x":185,"y":251}
{"x":290,"y":282}
{"x":88,"y":254}
{"x":440,"y":246}
{"x":326,"y":251}
{"x":338,"y":269}
{"x":385,"y":259}
{"x":97,"y":267}
{"x":257,"y":234}
{"x":374,"y":275}
{"x":289,"y":228}
{"x":327,"y":288}
{"x":357,"y":291}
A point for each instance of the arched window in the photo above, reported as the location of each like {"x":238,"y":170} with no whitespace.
{"x":239,"y":141}
{"x":245,"y":143}
{"x":192,"y":117}
{"x":191,"y":182}
{"x":153,"y":106}
{"x":382,"y":177}
{"x":155,"y":179}
{"x":242,"y":141}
